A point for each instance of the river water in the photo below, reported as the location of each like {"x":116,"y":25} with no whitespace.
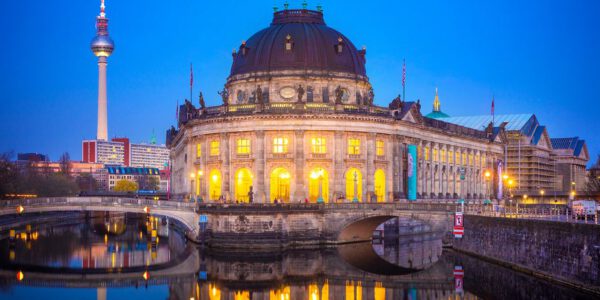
{"x":128,"y":256}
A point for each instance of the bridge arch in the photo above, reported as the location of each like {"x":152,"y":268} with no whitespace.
{"x":361,"y":228}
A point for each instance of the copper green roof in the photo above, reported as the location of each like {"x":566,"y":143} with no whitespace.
{"x":437,"y":115}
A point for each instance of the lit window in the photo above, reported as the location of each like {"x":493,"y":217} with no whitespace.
{"x":243,"y":146}
{"x":470,"y":159}
{"x":419,"y":152}
{"x":198,"y":151}
{"x":450,"y":157}
{"x":435,"y":154}
{"x":464,"y":159}
{"x":353,"y":146}
{"x":379,"y":148}
{"x":426,"y":153}
{"x":280,"y":145}
{"x":443,"y":155}
{"x":318,"y":145}
{"x":215,"y":148}
{"x":477,"y":159}
{"x":457,"y":161}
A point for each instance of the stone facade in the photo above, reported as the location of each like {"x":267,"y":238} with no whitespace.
{"x":381,"y":146}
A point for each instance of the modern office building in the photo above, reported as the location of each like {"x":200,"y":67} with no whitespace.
{"x":119,"y":151}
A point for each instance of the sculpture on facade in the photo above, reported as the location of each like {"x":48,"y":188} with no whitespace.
{"x":300,"y":93}
{"x":339,"y":94}
{"x":396,"y":103}
{"x":224,"y":96}
{"x":201,"y":100}
{"x":259,"y":95}
{"x":370,"y":96}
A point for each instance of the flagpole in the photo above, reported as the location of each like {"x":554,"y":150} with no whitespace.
{"x":404,"y":79}
{"x":191,"y":81}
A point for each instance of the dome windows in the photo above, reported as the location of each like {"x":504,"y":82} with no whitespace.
{"x":289,"y":43}
{"x":339,"y":47}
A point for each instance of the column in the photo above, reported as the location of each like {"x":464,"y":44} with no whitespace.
{"x":338,"y":164}
{"x":370,"y":176}
{"x":226,"y":166}
{"x":397,"y":164}
{"x":259,"y":167}
{"x":102,"y":133}
{"x":301,"y":191}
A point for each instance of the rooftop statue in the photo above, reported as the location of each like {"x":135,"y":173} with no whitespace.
{"x":259,"y":95}
{"x":224,"y":96}
{"x":370,"y":97}
{"x":339,"y":94}
{"x":300,"y":93}
{"x":201,"y":100}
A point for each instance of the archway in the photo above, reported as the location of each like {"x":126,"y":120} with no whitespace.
{"x":214,"y":188}
{"x":280,"y":185}
{"x":380,"y":185}
{"x":354,"y":184}
{"x":243,"y":182}
{"x":318,"y":185}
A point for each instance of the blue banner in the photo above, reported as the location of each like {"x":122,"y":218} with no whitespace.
{"x":411,"y":164}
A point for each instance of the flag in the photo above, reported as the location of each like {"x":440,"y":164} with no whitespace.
{"x":403,"y":73}
{"x":492,"y":105}
{"x":191,"y":77}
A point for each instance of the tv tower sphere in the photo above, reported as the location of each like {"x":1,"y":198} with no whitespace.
{"x":102,"y":45}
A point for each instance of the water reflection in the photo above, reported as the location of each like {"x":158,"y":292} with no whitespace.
{"x":94,"y":241}
{"x":109,"y":256}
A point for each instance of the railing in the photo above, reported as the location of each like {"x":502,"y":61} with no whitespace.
{"x":547,"y":213}
{"x":96,"y":201}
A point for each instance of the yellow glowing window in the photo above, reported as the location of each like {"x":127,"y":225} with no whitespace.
{"x":419,"y":152}
{"x":215,"y":148}
{"x":280,"y":145}
{"x":379,"y":148}
{"x":318,"y":145}
{"x":426,"y":153}
{"x":243,"y":146}
{"x":477,"y":159}
{"x":198,"y":150}
{"x":435,"y":154}
{"x":483,"y":160}
{"x":464,"y":159}
{"x":450,"y":157}
{"x":457,"y":161}
{"x":470,"y":159}
{"x":443,"y":155}
{"x":353,"y":146}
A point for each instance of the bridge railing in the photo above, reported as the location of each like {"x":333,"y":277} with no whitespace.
{"x":447,"y":207}
{"x":96,"y":201}
{"x":546,"y":213}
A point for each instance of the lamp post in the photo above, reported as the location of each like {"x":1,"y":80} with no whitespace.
{"x":542,"y":193}
{"x":319,"y":176}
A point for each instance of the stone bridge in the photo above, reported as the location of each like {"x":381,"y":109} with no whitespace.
{"x":265,"y":225}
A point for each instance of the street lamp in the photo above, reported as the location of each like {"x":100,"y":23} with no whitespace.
{"x":200,"y":173}
{"x":318,"y":175}
{"x":488,"y":177}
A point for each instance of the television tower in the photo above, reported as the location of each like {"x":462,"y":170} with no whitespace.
{"x":102,"y":46}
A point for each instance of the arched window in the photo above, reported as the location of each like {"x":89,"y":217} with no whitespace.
{"x":380,"y":185}
{"x":318,"y":185}
{"x":214,"y":188}
{"x":354,"y":185}
{"x":243,"y":183}
{"x":280,"y":185}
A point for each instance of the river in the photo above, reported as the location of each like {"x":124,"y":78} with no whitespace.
{"x":129,"y":256}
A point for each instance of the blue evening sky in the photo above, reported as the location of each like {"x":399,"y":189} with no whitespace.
{"x":534,"y":56}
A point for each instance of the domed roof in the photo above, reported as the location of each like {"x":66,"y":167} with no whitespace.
{"x":102,"y":45}
{"x":298,"y":39}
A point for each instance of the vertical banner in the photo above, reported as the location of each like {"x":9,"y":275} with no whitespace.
{"x":411,"y":163}
{"x":499,"y":178}
{"x":459,"y":225}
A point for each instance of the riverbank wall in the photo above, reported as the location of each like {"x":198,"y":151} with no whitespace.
{"x":568,"y":253}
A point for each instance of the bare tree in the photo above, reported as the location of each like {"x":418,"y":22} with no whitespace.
{"x":65,"y":164}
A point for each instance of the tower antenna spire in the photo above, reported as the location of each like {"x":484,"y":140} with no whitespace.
{"x":102,"y":46}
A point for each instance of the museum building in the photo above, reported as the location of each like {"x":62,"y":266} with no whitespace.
{"x":298,"y":124}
